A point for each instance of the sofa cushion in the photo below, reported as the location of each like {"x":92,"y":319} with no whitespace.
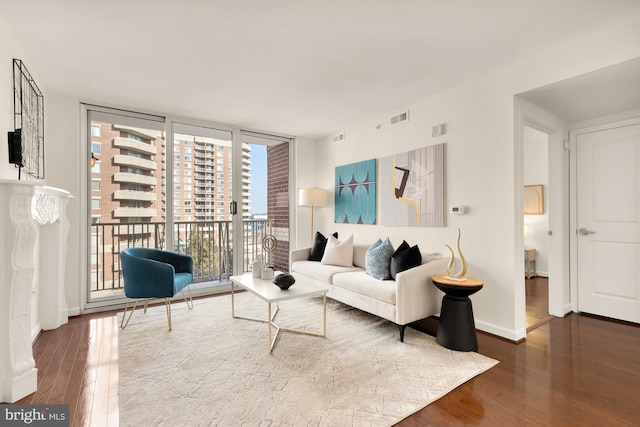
{"x":319,"y":244}
{"x":378,"y":259}
{"x":360,"y":282}
{"x":324,"y":273}
{"x":359,"y":254}
{"x":338,"y":253}
{"x":405,"y":259}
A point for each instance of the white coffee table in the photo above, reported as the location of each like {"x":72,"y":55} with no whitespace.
{"x":267,"y":291}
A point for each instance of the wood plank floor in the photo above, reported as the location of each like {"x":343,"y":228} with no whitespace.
{"x":579,"y":370}
{"x":537,"y":297}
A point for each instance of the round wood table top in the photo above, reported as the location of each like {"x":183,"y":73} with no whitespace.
{"x":467,"y":282}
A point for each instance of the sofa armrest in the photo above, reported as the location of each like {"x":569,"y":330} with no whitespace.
{"x":299,"y":255}
{"x":416,"y":295}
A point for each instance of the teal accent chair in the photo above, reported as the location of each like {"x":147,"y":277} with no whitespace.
{"x":154,"y":273}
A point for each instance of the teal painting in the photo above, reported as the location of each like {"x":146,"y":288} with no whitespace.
{"x":355,"y":193}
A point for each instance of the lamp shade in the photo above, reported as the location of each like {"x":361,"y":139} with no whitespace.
{"x":312,"y":197}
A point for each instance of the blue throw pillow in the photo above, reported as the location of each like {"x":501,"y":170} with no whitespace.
{"x":404,"y":258}
{"x":378,"y":259}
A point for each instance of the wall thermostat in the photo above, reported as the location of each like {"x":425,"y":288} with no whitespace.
{"x":458,"y":210}
{"x":438,"y":130}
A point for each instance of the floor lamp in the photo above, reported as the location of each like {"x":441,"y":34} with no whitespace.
{"x":312,"y":197}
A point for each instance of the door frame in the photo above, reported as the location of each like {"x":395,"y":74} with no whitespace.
{"x":238,"y":134}
{"x":573,"y":190}
{"x":527,"y":114}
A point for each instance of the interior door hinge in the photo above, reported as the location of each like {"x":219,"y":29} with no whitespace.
{"x":566,"y":145}
{"x":233,"y":207}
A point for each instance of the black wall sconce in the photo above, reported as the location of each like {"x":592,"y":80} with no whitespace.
{"x":15,"y":149}
{"x":94,"y":159}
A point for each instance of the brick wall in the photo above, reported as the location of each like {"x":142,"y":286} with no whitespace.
{"x":278,"y":202}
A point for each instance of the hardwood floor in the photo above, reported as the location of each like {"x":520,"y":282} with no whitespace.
{"x":578,"y":370}
{"x":78,"y":365}
{"x":537,"y":296}
{"x":574,"y":371}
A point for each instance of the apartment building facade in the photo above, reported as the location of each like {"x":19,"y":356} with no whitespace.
{"x":129,"y":196}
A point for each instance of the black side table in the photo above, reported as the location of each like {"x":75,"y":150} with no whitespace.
{"x":456,"y":329}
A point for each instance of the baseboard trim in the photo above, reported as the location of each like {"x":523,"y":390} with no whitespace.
{"x":75,"y":311}
{"x":515,"y":336}
{"x":430,"y":327}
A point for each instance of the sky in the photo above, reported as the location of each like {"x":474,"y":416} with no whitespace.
{"x":258,"y":179}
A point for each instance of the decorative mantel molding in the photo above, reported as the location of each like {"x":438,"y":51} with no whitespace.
{"x":33,"y":244}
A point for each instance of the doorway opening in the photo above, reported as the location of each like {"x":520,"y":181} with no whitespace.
{"x":536,"y":226}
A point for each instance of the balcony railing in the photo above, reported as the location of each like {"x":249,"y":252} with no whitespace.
{"x":210,"y":244}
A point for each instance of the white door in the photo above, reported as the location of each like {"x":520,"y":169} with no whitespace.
{"x":608,"y":222}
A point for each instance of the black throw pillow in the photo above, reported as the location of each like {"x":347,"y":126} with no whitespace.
{"x":319,"y":244}
{"x":403,"y":247}
{"x":404,"y":258}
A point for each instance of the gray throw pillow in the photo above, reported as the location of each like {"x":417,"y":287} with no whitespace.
{"x":378,"y":259}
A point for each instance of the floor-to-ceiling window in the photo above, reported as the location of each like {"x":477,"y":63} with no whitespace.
{"x":173,"y":185}
{"x":203,"y":177}
{"x":127,"y":192}
{"x":265,"y":188}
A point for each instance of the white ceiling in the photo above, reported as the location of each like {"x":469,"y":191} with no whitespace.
{"x":607,"y":91}
{"x":297,"y":67}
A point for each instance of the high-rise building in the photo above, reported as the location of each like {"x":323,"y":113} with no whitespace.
{"x":128,"y":191}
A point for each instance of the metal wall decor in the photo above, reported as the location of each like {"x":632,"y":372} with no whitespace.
{"x":28,"y":117}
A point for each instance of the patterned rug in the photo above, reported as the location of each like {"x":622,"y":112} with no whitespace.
{"x":214,"y":370}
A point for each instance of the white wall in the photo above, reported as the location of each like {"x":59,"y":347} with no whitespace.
{"x":483,"y":170}
{"x":9,"y":49}
{"x":536,"y":171}
{"x":306,"y":168}
{"x":60,"y":167}
{"x":63,"y":157}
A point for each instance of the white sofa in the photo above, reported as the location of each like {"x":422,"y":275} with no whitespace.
{"x":412,"y":296}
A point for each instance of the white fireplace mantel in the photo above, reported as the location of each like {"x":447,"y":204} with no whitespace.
{"x":33,"y":247}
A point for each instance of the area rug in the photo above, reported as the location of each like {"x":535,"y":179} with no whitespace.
{"x":214,"y":370}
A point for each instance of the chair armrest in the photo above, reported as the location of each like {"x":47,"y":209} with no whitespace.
{"x":182,"y":263}
{"x":416,"y":295}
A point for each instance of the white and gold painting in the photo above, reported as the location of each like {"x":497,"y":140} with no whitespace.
{"x":412,"y":188}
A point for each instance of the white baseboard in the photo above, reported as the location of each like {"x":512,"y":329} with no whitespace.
{"x":74,"y":311}
{"x":509,"y":334}
{"x":35,"y":331}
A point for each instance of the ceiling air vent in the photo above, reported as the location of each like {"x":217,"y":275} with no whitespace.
{"x":402,"y":117}
{"x":338,"y":138}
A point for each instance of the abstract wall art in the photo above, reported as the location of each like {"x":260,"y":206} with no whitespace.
{"x":355,"y":193}
{"x":412,"y":188}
